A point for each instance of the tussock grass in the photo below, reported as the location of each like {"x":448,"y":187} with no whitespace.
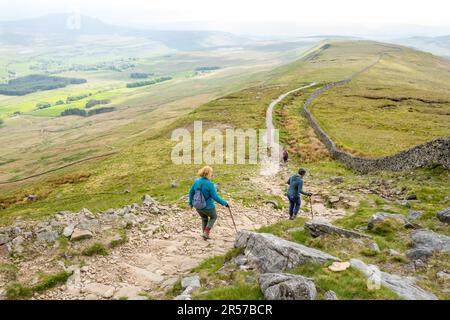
{"x":16,"y":290}
{"x":9,"y":271}
{"x":95,"y":249}
{"x":239,"y":291}
{"x":349,"y":284}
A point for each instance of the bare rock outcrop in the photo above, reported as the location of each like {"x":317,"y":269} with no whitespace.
{"x":404,"y":287}
{"x":444,"y":215}
{"x":318,"y":228}
{"x":269,"y":253}
{"x":283,"y":286}
{"x":425,"y":243}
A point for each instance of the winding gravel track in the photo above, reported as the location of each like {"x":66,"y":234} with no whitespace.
{"x":271,"y":165}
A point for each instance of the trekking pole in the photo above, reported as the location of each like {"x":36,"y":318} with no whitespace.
{"x":310,"y":204}
{"x":234,"y":224}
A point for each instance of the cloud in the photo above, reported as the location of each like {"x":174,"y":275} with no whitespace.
{"x":321,"y":13}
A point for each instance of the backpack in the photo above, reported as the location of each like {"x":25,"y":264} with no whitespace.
{"x":199,"y":201}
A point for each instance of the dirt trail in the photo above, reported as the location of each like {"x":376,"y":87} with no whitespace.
{"x":271,"y":165}
{"x":153,"y":262}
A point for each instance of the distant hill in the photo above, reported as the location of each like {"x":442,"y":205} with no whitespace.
{"x":62,"y":26}
{"x":436,"y":45}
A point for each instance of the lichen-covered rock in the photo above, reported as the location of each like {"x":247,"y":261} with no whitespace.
{"x":16,"y":245}
{"x":381,"y":217}
{"x":419,"y":254}
{"x":4,"y":238}
{"x":67,"y":232}
{"x":318,"y":228}
{"x":374,"y":247}
{"x":330,"y":295}
{"x":148,"y":201}
{"x":427,"y":239}
{"x":337,"y":179}
{"x":443,"y":275}
{"x":283,"y":286}
{"x":88,"y":224}
{"x":193,"y":282}
{"x":269,"y":253}
{"x":414,"y":215}
{"x":87,"y":213}
{"x":47,"y":235}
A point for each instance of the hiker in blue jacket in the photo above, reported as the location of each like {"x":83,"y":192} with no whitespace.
{"x":205,"y":206}
{"x":295,"y":183}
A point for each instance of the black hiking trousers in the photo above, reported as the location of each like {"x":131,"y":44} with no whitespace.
{"x":209,"y":217}
{"x":294,"y":205}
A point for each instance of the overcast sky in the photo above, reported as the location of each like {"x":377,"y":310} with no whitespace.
{"x":275,"y":15}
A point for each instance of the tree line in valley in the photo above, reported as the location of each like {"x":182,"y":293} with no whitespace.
{"x":32,"y":83}
{"x":85,"y":113}
{"x":147,"y":82}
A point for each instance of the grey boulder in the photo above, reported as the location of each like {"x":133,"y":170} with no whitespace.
{"x":193,"y":282}
{"x":4,"y":238}
{"x":79,"y":234}
{"x":414,"y":215}
{"x":419,"y":254}
{"x":373,"y":246}
{"x":425,"y":243}
{"x":330,"y":295}
{"x":88,"y":224}
{"x":337,"y":179}
{"x":269,"y":253}
{"x":282,"y":286}
{"x":67,"y":232}
{"x":404,"y":287}
{"x":444,"y":215}
{"x":427,"y":239}
{"x":318,"y":228}
{"x":380,"y":217}
{"x":47,"y":235}
{"x":443,"y":275}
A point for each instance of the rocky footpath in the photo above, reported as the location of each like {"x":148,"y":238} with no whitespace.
{"x":26,"y":238}
{"x":149,"y":247}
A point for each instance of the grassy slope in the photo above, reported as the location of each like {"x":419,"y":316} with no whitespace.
{"x":34,"y":142}
{"x":382,"y":126}
{"x":145,"y":167}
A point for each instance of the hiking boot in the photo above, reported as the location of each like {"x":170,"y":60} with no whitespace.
{"x":205,"y":234}
{"x":291,"y":218}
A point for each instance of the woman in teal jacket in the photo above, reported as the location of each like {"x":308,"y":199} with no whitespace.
{"x":208,"y":214}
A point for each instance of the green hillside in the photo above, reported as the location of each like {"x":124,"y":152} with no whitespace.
{"x":145,"y":166}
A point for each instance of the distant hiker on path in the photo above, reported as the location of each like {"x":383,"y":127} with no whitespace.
{"x":295,"y":183}
{"x":202,"y":195}
{"x":285,"y":156}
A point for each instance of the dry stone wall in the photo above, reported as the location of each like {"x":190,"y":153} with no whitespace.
{"x":435,"y":152}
